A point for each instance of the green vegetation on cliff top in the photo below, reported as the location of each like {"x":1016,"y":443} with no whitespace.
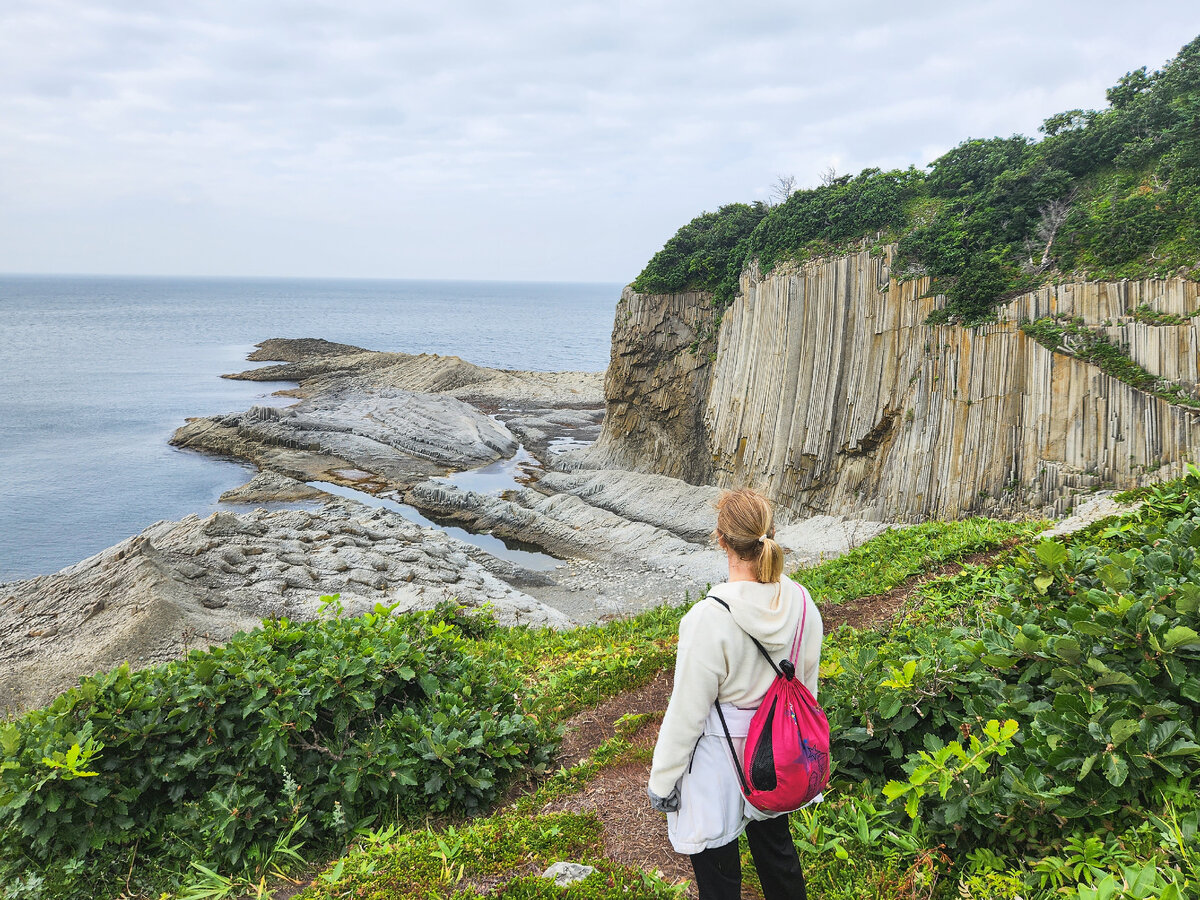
{"x":1108,"y":194}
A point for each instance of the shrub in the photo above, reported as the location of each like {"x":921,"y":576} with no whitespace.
{"x":825,"y":218}
{"x":704,"y":255}
{"x":1092,"y":650}
{"x":317,"y":727}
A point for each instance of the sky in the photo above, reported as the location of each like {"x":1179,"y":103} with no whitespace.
{"x":538,"y":140}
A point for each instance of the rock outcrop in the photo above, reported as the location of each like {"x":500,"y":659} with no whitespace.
{"x":399,"y":416}
{"x":825,"y":389}
{"x":656,"y":386}
{"x":192,"y":583}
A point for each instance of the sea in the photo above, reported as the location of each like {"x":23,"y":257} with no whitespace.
{"x":96,"y":373}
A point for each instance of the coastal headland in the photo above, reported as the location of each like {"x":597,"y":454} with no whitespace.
{"x":399,"y":479}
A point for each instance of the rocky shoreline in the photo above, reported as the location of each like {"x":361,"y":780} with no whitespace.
{"x":382,"y":450}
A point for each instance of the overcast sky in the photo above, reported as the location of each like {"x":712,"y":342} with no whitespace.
{"x":542,"y":140}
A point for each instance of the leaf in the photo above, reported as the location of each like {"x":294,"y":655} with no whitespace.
{"x":921,"y":774}
{"x":1116,"y":769}
{"x":998,"y":661}
{"x":1043,"y":582}
{"x":205,"y":669}
{"x":1087,"y":765}
{"x":1051,"y":553}
{"x":1121,"y":730}
{"x":1188,"y":602}
{"x":889,"y":706}
{"x":1182,"y":747}
{"x":1067,"y":648}
{"x":1158,"y":562}
{"x":1142,"y":881}
{"x":335,"y":873}
{"x":10,"y":739}
{"x":1113,"y":577}
{"x":1191,"y":689}
{"x":1109,"y":679}
{"x":1181,"y":638}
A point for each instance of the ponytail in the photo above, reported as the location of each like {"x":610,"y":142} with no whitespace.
{"x":770,"y":561}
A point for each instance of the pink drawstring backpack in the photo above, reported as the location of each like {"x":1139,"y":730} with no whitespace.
{"x":786,"y":760}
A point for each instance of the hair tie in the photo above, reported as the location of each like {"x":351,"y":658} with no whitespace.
{"x":762,"y":539}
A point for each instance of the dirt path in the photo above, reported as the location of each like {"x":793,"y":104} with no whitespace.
{"x":636,"y":835}
{"x":879,"y":609}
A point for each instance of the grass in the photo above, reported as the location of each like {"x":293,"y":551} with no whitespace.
{"x":568,"y":671}
{"x":900,"y":553}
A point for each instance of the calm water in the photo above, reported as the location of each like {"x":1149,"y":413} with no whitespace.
{"x":96,"y":373}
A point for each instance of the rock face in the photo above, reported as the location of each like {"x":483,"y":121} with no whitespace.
{"x":827,"y":391}
{"x":656,"y":386}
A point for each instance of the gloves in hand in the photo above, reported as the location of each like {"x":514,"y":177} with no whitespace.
{"x":669,"y":803}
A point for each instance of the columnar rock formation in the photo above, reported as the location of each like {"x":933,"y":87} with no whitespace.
{"x":825,"y":388}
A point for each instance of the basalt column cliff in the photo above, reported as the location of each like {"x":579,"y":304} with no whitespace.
{"x":822,"y":386}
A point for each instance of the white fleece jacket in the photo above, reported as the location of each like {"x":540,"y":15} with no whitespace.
{"x":717,"y":660}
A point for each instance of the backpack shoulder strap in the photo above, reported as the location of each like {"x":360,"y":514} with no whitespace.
{"x":794,"y":656}
{"x":761,"y":648}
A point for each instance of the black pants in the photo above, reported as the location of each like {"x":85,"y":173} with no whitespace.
{"x":719,"y":869}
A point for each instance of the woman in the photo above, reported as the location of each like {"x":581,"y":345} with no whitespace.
{"x":693,"y":778}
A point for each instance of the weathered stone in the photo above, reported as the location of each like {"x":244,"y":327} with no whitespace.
{"x":223,"y":524}
{"x":147,"y":601}
{"x":268,"y":486}
{"x":565,"y":873}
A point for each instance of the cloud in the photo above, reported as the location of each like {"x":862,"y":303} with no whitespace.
{"x":493,"y":139}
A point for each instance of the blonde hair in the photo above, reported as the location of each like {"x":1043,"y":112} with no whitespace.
{"x":745,"y":521}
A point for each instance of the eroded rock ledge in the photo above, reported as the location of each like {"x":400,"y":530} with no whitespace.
{"x":188,"y":584}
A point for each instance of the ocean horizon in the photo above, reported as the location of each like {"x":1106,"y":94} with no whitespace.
{"x":96,"y":373}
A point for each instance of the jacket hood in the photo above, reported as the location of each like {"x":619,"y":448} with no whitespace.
{"x":768,"y":612}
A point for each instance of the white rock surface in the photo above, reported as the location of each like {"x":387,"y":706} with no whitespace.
{"x":1092,"y":510}
{"x":565,"y":873}
{"x":184,"y":585}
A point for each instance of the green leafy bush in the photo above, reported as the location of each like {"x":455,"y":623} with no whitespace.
{"x":706,"y":254}
{"x":327,"y":724}
{"x":825,"y":218}
{"x":1094,"y":651}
